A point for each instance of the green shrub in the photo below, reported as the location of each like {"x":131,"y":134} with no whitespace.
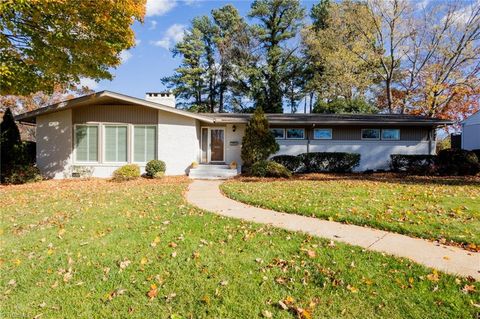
{"x":126,"y":172}
{"x":291,"y":162}
{"x":270,"y":169}
{"x":21,"y":174}
{"x":336,"y":162}
{"x":477,"y":152}
{"x":457,"y":162}
{"x":258,"y":143}
{"x":155,"y":166}
{"x":413,"y":164}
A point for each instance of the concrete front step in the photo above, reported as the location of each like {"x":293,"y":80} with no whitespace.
{"x":212,"y":172}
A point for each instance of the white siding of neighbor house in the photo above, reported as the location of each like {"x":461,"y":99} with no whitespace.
{"x":178,"y":142}
{"x":54,"y":143}
{"x":471,"y":137}
{"x":373,"y":154}
{"x":471,"y":132}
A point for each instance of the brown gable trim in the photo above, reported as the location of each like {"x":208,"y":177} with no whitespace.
{"x":91,"y":99}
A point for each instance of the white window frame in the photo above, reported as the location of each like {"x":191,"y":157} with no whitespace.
{"x":75,"y":144}
{"x":133,"y":141}
{"x":279,"y":128}
{"x":324,"y":129}
{"x":390,"y":139}
{"x":104,"y":151}
{"x":294,"y":138}
{"x":371,"y":139}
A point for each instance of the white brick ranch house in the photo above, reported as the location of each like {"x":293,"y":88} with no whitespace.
{"x":97,"y":133}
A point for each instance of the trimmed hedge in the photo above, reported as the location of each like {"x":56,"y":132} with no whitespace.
{"x":155,"y":168}
{"x":457,"y":162}
{"x":413,"y":164}
{"x":291,"y":162}
{"x":126,"y":173}
{"x":447,"y":162}
{"x":270,"y":169}
{"x":336,"y":162}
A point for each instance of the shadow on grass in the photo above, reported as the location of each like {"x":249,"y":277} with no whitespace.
{"x":396,"y":178}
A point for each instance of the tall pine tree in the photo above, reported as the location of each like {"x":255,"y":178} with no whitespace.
{"x":279,"y":22}
{"x":188,"y":82}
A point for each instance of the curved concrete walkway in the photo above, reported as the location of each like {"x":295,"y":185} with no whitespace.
{"x":206,"y":195}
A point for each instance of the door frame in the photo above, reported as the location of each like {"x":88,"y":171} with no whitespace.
{"x":209,"y":142}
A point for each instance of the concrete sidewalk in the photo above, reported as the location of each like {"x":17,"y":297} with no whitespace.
{"x":207,"y":195}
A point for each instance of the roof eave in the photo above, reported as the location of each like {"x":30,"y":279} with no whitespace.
{"x":64,"y":105}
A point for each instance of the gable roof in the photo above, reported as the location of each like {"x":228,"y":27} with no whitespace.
{"x":105,"y":97}
{"x":472,"y":119}
{"x":109,"y":97}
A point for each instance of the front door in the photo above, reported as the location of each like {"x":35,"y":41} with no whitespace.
{"x":217,"y":137}
{"x":212,"y":145}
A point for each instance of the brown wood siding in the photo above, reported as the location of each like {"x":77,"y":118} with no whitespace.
{"x":353,"y":133}
{"x":115,"y":114}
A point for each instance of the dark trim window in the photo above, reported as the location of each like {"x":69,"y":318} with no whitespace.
{"x":295,"y":133}
{"x":370,"y":134}
{"x":279,"y":133}
{"x":391,"y":134}
{"x":322,"y":134}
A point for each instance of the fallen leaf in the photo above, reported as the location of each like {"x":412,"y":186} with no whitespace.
{"x":352,"y":289}
{"x":433,"y":276}
{"x":468,"y":288}
{"x":124,"y":264}
{"x":267,"y":314}
{"x":153,"y":292}
{"x":282,"y":305}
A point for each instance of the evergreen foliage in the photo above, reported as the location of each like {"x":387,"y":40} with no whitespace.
{"x":258,"y":143}
{"x":10,"y":143}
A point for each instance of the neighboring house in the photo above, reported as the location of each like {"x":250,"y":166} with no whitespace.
{"x":471,"y":132}
{"x":96,"y":134}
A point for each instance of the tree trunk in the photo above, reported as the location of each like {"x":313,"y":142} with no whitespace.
{"x":389,"y":95}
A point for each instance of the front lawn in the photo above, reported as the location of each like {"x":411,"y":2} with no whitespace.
{"x":96,"y":249}
{"x":432,"y":208}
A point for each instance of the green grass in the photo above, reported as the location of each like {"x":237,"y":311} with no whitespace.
{"x":62,"y":244}
{"x":423,"y":207}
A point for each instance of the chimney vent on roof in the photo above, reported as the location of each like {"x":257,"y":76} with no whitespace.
{"x":164,"y":98}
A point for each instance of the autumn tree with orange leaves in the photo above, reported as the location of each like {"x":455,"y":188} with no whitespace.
{"x":45,"y":43}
